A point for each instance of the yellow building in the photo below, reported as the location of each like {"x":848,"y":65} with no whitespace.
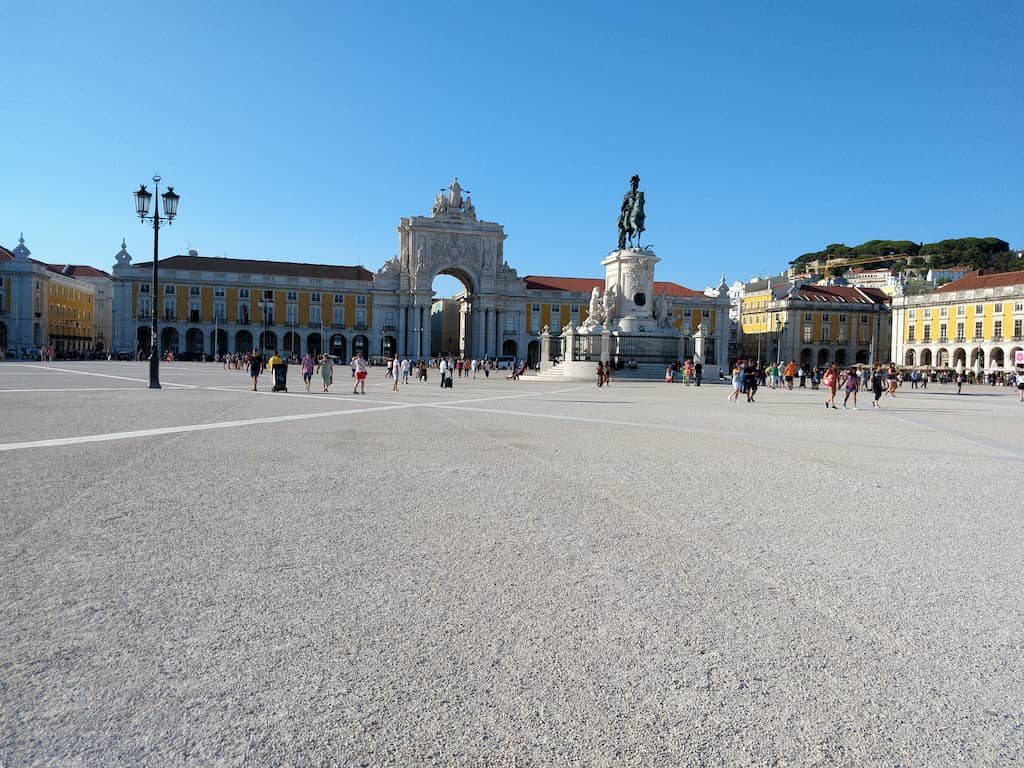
{"x":44,"y":306}
{"x":976,"y":323}
{"x":814,"y":325}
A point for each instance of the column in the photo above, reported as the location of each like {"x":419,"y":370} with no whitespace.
{"x":401,"y":339}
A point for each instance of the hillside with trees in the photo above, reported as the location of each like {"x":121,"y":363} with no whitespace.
{"x":973,"y":252}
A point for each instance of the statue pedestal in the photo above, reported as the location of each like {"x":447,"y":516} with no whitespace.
{"x":629,"y":272}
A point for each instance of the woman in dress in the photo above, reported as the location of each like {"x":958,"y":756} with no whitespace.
{"x":831,"y":382}
{"x":326,"y":369}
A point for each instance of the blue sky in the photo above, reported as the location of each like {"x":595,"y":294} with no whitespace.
{"x":760,"y":130}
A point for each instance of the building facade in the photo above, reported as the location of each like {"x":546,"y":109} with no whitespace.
{"x":976,"y":323}
{"x":815,"y":325}
{"x":44,"y":305}
{"x":220,"y":305}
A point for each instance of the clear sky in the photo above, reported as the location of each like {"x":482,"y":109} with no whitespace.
{"x":304,"y":131}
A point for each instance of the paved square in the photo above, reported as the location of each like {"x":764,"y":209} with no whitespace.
{"x":506,"y":573}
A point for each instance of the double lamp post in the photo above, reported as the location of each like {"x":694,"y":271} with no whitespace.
{"x":142,"y":200}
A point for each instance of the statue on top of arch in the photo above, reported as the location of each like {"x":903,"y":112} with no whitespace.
{"x":450,"y":202}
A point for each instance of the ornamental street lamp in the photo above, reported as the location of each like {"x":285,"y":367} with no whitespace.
{"x":142,"y":200}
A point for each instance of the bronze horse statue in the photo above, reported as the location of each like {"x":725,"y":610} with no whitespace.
{"x":631,"y":215}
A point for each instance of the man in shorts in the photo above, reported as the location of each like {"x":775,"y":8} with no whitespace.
{"x":359,"y":367}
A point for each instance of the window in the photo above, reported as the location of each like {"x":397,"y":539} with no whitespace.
{"x":705,"y":313}
{"x":360,"y":301}
{"x":389,"y":319}
{"x":510,"y":321}
{"x":556,"y":309}
{"x":218,"y":310}
{"x":1018,"y":328}
{"x":193,"y":311}
{"x":243,"y":293}
{"x":979,"y":309}
{"x":913,"y":314}
{"x":268,"y":295}
{"x":911,"y":333}
{"x":291,"y":313}
{"x":942,"y":331}
{"x":170,"y":290}
{"x":808,"y":334}
{"x":218,"y":292}
{"x":943,"y":311}
{"x":339,"y":298}
{"x":808,"y":316}
{"x":314,"y":298}
{"x":977,"y":329}
{"x":842,"y":318}
{"x":997,"y":330}
{"x":193,"y":290}
{"x":243,"y":312}
{"x":144,"y":306}
{"x":998,"y":309}
{"x":687,"y":313}
{"x":825,"y":318}
{"x":842,"y":333}
{"x":534,"y":324}
{"x":574,"y":308}
{"x":864,"y":319}
{"x":535,"y":307}
{"x":1018,"y":307}
{"x":292,"y":296}
{"x":339,"y":316}
{"x":927,"y":333}
{"x":360,"y":317}
{"x":170,"y":309}
{"x":959,"y":331}
{"x":961,"y":310}
{"x":144,"y":288}
{"x":314,"y":314}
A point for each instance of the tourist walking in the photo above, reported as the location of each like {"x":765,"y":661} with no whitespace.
{"x":443,"y":370}
{"x":396,"y":372}
{"x":359,"y":370}
{"x":852,"y":385}
{"x":878,"y":385}
{"x":831,"y":382}
{"x":255,"y":366}
{"x":789,"y":373}
{"x":600,"y":374}
{"x":326,"y":369}
{"x":960,"y":382}
{"x":1019,"y":380}
{"x":737,"y":383}
{"x":698,"y":373}
{"x":406,"y":366}
{"x":751,"y":376}
{"x":307,"y":369}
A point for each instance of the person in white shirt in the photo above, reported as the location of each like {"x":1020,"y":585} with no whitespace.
{"x":473,"y":366}
{"x":359,"y":368}
{"x":396,"y":371}
{"x":406,"y":367}
{"x":443,"y":368}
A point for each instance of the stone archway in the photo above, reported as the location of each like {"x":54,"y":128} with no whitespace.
{"x":243,"y":341}
{"x":292,"y":343}
{"x":314,"y":344}
{"x":996,"y":359}
{"x":338,"y":345}
{"x":942,"y":358}
{"x":959,"y":358}
{"x":926,"y":357}
{"x":360,"y":346}
{"x":143,"y":338}
{"x":169,"y":340}
{"x":194,"y":342}
{"x":450,"y":241}
{"x":3,"y":336}
{"x":219,"y":342}
{"x":909,"y":358}
{"x":805,"y":357}
{"x":533,"y":353}
{"x":510,"y":348}
{"x":822,"y":357}
{"x":268,"y":341}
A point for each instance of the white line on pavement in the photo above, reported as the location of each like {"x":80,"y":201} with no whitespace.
{"x":101,"y":375}
{"x":62,"y":441}
{"x":73,"y":389}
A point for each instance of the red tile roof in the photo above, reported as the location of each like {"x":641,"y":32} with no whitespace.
{"x":77,"y":270}
{"x":983,"y":278}
{"x":5,"y":255}
{"x":588,"y":284}
{"x":254,"y":267}
{"x":841,"y":294}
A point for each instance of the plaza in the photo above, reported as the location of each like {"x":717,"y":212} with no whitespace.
{"x":505,"y":573}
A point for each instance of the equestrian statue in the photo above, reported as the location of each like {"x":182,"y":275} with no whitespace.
{"x":631,"y":215}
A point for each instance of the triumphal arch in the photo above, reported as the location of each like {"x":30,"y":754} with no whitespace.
{"x":452,"y":241}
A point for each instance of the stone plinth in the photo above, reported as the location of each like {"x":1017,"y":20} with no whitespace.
{"x":629,"y":277}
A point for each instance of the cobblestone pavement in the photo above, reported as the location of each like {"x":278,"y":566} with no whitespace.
{"x":505,"y":573}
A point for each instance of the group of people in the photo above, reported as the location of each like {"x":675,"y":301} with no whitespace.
{"x":691,"y":372}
